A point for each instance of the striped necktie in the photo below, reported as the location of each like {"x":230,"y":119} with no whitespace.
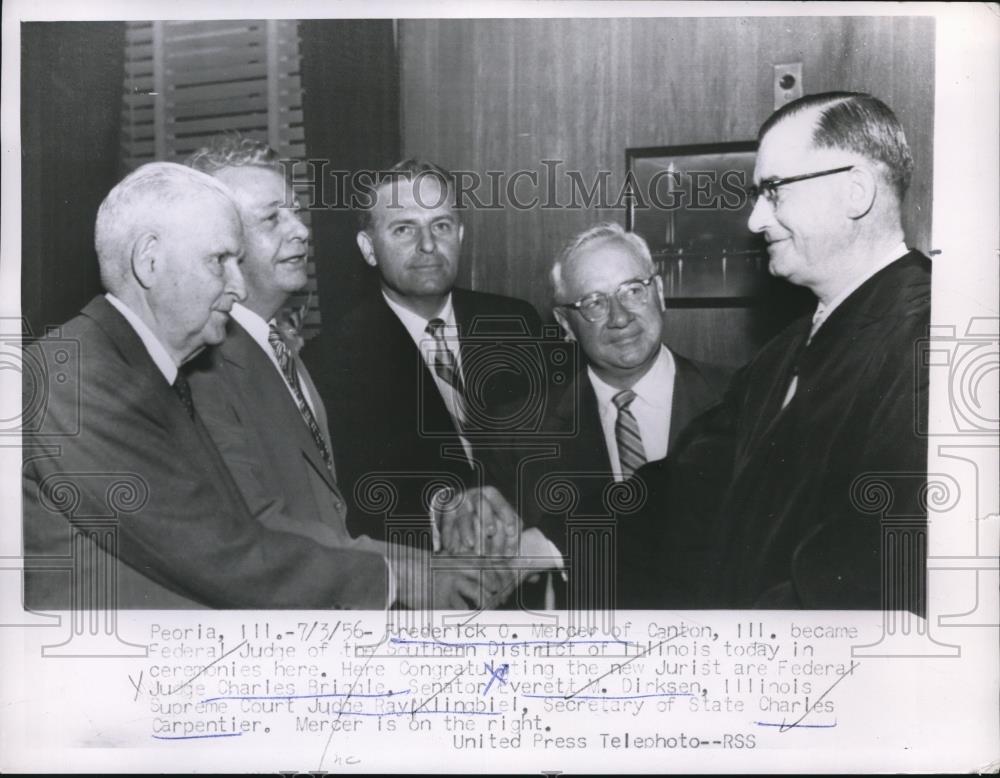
{"x":287,"y":364}
{"x":445,"y":364}
{"x":631,"y":453}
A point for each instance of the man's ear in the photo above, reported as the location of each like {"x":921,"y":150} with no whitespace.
{"x":563,"y":320}
{"x":658,"y":290}
{"x":862,"y":192}
{"x":367,"y":248}
{"x":461,"y":233}
{"x":145,"y":258}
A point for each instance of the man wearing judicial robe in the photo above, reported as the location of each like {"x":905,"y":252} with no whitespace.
{"x":817,"y":436}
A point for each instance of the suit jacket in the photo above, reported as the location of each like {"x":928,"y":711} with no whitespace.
{"x":387,"y":416}
{"x":277,"y":465}
{"x":578,"y":464}
{"x":800,"y":523}
{"x":116,"y":446}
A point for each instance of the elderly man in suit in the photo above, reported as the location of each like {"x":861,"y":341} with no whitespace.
{"x":414,"y":371}
{"x":828,"y":410}
{"x":628,"y":405}
{"x":123,"y":443}
{"x":253,"y":392}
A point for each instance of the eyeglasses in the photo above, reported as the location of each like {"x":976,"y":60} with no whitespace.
{"x":595,"y":307}
{"x":769,"y":186}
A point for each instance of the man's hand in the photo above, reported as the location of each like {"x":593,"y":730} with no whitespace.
{"x":479,"y":521}
{"x":458,"y":584}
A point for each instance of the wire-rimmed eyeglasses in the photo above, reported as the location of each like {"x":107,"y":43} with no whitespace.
{"x":595,"y":307}
{"x":768,"y":188}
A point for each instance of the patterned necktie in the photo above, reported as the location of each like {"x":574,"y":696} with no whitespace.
{"x":445,"y":364}
{"x":183,"y":390}
{"x":287,"y":364}
{"x":631,"y":453}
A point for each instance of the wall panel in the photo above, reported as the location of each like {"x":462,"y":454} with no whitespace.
{"x":507,"y":94}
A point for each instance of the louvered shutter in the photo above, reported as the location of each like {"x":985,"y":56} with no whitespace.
{"x":187,"y":81}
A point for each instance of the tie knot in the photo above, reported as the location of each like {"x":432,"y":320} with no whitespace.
{"x":623,"y":399}
{"x":435,"y":328}
{"x":278,"y":345}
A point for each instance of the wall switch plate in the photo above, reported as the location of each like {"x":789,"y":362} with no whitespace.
{"x":787,"y":83}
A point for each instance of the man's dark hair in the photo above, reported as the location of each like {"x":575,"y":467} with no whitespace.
{"x":409,"y":169}
{"x":856,"y":122}
{"x":232,"y":149}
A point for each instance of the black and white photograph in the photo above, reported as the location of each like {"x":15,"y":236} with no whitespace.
{"x":551,"y":386}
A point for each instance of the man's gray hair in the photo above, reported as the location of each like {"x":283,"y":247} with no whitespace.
{"x":134,"y":206}
{"x":598,"y":232}
{"x":232,"y":149}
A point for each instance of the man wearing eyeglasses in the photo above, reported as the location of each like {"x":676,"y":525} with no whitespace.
{"x":610,"y":300}
{"x":823,"y":422}
{"x":627,"y":406}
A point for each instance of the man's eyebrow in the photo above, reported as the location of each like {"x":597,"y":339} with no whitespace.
{"x":401,"y":220}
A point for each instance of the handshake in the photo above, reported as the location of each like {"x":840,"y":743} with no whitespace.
{"x":478,"y":543}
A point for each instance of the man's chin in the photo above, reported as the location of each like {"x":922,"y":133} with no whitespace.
{"x":215,"y":332}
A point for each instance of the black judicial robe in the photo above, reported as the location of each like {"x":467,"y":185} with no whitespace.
{"x":818,"y":505}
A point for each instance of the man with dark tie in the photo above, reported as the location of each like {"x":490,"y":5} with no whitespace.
{"x":826,"y":415}
{"x":127,"y":502}
{"x":414,"y":371}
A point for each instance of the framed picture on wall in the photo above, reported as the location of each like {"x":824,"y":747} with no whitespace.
{"x":690,"y":204}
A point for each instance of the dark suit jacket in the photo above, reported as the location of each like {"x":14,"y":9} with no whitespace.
{"x":279,"y":469}
{"x":387,"y":416}
{"x":116,"y":443}
{"x":570,"y":487}
{"x":799,"y":523}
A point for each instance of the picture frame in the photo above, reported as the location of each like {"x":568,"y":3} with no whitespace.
{"x":690,"y":204}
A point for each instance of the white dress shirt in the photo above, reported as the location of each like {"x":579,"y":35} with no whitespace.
{"x":654,"y":396}
{"x":260,"y":330}
{"x":157,"y":351}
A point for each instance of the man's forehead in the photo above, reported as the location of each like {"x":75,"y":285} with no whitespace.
{"x":251,"y":183}
{"x":420,"y":193}
{"x":787,"y":143}
{"x":602,"y":263}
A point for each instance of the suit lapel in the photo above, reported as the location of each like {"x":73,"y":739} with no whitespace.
{"x":160,"y":400}
{"x":258,"y":371}
{"x":577,"y":410}
{"x":689,"y":389}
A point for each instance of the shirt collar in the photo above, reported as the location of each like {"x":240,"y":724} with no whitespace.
{"x":649,"y":388}
{"x":157,"y":351}
{"x":256,"y":327}
{"x":823,"y":311}
{"x":415,"y":324}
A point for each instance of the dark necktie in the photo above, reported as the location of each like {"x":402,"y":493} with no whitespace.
{"x":183,"y":391}
{"x":445,"y":364}
{"x":631,"y":453}
{"x":287,"y":364}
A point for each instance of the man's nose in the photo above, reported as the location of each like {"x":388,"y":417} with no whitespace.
{"x":761,"y":215}
{"x":618,"y":315}
{"x":235,"y":283}
{"x":427,"y":243}
{"x":298,"y":229}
